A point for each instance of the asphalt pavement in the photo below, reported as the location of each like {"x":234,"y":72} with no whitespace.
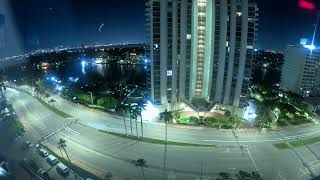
{"x":101,"y":153}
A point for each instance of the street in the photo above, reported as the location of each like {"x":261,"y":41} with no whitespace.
{"x":100,"y":153}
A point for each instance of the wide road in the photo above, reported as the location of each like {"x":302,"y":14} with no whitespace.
{"x":152,"y":129}
{"x":101,"y":153}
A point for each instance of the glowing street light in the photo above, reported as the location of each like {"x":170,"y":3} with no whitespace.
{"x":150,"y":112}
{"x":308,"y":5}
{"x":311,"y":46}
{"x":83,"y":64}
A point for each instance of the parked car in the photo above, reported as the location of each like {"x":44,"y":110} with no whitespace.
{"x":43,"y":152}
{"x":43,"y":173}
{"x":26,"y":145}
{"x":52,"y":160}
{"x":62,"y":169}
{"x":30,"y":166}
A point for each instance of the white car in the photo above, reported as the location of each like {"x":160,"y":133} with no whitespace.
{"x":43,"y":152}
{"x":62,"y":169}
{"x":52,"y":160}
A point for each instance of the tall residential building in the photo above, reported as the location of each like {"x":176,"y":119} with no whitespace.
{"x":201,"y":48}
{"x":301,"y":71}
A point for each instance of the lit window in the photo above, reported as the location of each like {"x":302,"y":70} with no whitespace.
{"x":239,"y":13}
{"x":227,"y":43}
{"x":251,"y":19}
{"x":155,"y":46}
{"x":188,"y":36}
{"x":249,"y":47}
{"x":169,"y":72}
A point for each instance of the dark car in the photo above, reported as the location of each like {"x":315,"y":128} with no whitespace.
{"x":43,"y":173}
{"x":31,"y":167}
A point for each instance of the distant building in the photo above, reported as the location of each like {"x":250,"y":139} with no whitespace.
{"x":300,"y":72}
{"x":201,"y":48}
{"x":2,"y":32}
{"x":10,"y":39}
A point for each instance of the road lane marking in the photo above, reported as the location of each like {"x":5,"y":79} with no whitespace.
{"x":302,"y":171}
{"x":172,"y":176}
{"x":247,"y":141}
{"x":35,"y":120}
{"x":285,"y":138}
{"x":71,"y":130}
{"x":280,"y":177}
{"x":254,"y":163}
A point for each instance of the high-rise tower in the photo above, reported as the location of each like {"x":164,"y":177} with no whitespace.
{"x":201,"y":48}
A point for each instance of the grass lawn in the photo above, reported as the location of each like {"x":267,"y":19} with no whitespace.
{"x":297,"y":143}
{"x":81,"y":172}
{"x":307,"y":141}
{"x":157,"y":141}
{"x":281,"y":145}
{"x":53,"y":109}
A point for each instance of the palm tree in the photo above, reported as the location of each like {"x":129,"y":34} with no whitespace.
{"x":47,"y":95}
{"x":167,"y":117}
{"x":130,"y":116}
{"x":108,"y":176}
{"x":124,"y":108}
{"x":52,"y":101}
{"x":142,"y":163}
{"x":141,"y":105}
{"x":135,"y":113}
{"x":37,"y":90}
{"x":224,"y":176}
{"x":62,"y":144}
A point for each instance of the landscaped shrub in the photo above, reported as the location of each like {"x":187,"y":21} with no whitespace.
{"x":209,"y":121}
{"x":220,"y":123}
{"x":107,"y":102}
{"x":194,"y":120}
{"x":188,"y":120}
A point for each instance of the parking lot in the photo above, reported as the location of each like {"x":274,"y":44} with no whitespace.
{"x":42,"y":162}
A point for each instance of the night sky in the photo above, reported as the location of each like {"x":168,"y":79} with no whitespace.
{"x":49,"y":23}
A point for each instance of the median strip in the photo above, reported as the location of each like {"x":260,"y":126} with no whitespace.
{"x":297,"y":143}
{"x":156,"y":141}
{"x":51,"y":108}
{"x":81,"y":172}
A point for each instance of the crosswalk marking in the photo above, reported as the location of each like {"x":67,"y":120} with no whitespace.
{"x":71,"y":130}
{"x":302,"y":171}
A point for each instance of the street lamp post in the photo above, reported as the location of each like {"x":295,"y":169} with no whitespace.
{"x":315,"y":109}
{"x":91,"y":97}
{"x":315,"y":27}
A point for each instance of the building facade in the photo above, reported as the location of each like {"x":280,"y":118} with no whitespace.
{"x":300,"y":72}
{"x":11,"y":42}
{"x":201,"y":48}
{"x":2,"y":32}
